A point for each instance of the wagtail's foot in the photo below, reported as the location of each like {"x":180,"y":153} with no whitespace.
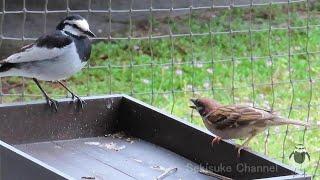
{"x":52,"y":103}
{"x":80,"y":102}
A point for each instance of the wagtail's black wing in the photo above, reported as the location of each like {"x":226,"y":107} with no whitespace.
{"x":46,"y":47}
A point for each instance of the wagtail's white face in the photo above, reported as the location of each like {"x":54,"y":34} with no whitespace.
{"x":75,"y":25}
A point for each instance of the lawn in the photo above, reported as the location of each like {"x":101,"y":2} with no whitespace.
{"x":250,"y":65}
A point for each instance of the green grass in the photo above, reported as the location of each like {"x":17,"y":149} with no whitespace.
{"x":167,"y":72}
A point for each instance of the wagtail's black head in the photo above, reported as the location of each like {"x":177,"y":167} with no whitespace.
{"x":75,"y":25}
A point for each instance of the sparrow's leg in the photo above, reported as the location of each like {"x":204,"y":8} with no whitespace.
{"x":78,"y":99}
{"x":246,"y":142}
{"x":51,"y":102}
{"x":215,"y":140}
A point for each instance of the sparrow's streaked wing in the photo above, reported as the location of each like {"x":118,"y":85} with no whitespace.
{"x":237,"y":115}
{"x":46,"y":47}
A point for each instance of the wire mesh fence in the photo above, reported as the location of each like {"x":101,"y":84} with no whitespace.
{"x":263,"y":53}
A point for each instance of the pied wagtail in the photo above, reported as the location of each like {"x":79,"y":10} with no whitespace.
{"x":53,"y":57}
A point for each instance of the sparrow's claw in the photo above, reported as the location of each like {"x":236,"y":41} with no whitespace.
{"x":239,"y":148}
{"x":215,"y":140}
{"x":239,"y":151}
{"x":52,"y":103}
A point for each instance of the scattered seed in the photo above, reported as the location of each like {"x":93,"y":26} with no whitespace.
{"x":138,"y":160}
{"x":210,"y":173}
{"x":87,"y":177}
{"x":130,"y":140}
{"x":166,"y":173}
{"x":159,"y":168}
{"x":92,"y":143}
{"x":113,"y":146}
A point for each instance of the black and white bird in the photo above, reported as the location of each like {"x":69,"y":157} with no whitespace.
{"x":53,"y":57}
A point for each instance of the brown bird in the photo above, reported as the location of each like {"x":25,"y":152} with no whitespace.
{"x":237,"y":121}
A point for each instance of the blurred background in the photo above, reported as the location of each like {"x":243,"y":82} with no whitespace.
{"x":259,"y":52}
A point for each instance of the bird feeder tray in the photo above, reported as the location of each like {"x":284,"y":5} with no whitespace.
{"x":119,"y":137}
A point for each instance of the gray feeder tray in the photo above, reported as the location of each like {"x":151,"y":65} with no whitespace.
{"x":71,"y":144}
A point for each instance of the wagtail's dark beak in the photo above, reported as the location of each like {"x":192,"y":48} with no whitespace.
{"x":194,"y":102}
{"x":90,"y":33}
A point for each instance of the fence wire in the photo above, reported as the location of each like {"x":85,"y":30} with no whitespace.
{"x":167,"y":79}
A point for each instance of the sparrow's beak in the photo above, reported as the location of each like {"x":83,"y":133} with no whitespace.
{"x":90,"y":33}
{"x":194,"y":102}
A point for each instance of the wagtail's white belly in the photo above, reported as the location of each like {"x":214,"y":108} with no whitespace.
{"x":54,"y":69}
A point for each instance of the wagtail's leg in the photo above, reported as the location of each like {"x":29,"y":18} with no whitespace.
{"x":51,"y":102}
{"x":73,"y":95}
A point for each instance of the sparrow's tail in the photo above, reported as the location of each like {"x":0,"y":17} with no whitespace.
{"x":285,"y":121}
